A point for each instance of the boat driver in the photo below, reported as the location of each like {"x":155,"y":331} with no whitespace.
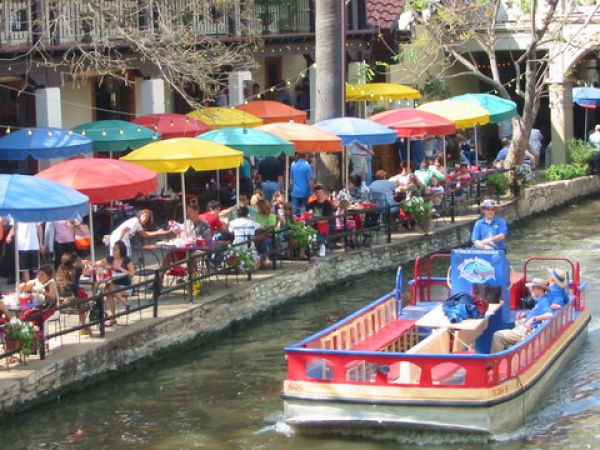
{"x":526,"y":323}
{"x":490,"y":231}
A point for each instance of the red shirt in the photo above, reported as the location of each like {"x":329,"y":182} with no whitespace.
{"x":212,"y":220}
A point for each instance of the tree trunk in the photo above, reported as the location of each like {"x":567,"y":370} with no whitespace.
{"x":329,"y":55}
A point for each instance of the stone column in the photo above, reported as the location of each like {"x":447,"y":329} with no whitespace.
{"x":152,"y":97}
{"x":561,"y":113}
{"x":48,"y":113}
{"x":237,"y":94}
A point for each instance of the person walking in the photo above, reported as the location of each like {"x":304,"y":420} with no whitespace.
{"x":302,"y":178}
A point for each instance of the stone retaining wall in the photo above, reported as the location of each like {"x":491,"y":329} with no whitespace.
{"x":45,"y":380}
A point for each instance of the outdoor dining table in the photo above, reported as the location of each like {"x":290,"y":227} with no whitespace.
{"x":18,"y":305}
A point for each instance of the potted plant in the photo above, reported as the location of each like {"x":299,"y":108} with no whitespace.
{"x":243,"y":259}
{"x":419,"y":210}
{"x":302,"y":235}
{"x":497,"y":184}
{"x":21,"y":335}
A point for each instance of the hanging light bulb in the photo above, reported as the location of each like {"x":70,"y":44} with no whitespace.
{"x":49,"y":132}
{"x":8,"y":130}
{"x":30,"y":132}
{"x":103,"y":132}
{"x":121,"y":131}
{"x":172,"y":124}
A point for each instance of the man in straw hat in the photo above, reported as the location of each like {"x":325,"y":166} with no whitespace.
{"x":558,"y":280}
{"x":490,"y":231}
{"x":526,"y":322}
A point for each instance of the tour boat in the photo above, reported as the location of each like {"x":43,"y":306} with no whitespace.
{"x":398,"y":364}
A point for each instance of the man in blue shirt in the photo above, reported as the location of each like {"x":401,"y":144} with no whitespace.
{"x":301,"y":176}
{"x":526,"y":322}
{"x":490,"y":231}
{"x":558,"y":282}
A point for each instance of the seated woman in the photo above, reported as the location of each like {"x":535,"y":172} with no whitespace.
{"x":4,"y":313}
{"x":43,"y":288}
{"x":345,"y":224}
{"x":67,"y":276}
{"x":119,"y":263}
{"x":268,"y":223}
{"x":351,"y":192}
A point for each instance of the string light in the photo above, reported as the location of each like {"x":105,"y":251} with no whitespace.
{"x":30,"y":132}
{"x":8,"y":130}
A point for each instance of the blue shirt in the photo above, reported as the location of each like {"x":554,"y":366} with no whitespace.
{"x":542,"y":306}
{"x":558,"y":295}
{"x":502,"y":154}
{"x":301,"y":174}
{"x":483,"y":230}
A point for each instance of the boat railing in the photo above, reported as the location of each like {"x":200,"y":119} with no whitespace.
{"x":436,"y":368}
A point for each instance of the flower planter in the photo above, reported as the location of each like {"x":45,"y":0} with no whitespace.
{"x":11,"y":344}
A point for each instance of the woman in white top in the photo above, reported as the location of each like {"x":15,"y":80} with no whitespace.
{"x":130,"y":227}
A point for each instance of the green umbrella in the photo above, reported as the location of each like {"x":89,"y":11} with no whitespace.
{"x":117,"y":135}
{"x":251,"y":141}
{"x":499,"y":108}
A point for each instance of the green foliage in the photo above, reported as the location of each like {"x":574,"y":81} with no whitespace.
{"x":418,"y":209}
{"x":23,"y":331}
{"x":245,"y":258}
{"x":435,"y":89}
{"x":500,"y":181}
{"x":579,"y":151}
{"x":302,"y":235}
{"x":566,"y":172}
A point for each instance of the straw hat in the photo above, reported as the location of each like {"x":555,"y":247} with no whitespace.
{"x":490,"y":203}
{"x":538,"y":282}
{"x":561,"y":277}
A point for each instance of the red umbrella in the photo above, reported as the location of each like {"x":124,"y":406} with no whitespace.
{"x":173,"y":125}
{"x":102,"y":180}
{"x":414,"y":122}
{"x":273,"y":112}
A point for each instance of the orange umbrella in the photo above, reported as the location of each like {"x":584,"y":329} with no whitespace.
{"x":273,"y":112}
{"x":306,"y":137}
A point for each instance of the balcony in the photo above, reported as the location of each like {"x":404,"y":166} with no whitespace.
{"x":64,"y":23}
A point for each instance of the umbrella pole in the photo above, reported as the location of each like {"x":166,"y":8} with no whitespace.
{"x":17,"y":271}
{"x":183,"y":203}
{"x":476,"y":148}
{"x":408,"y":155}
{"x":585,"y":130}
{"x":444,"y":150}
{"x":237,"y":185}
{"x":92,"y":249}
{"x":287,"y":178}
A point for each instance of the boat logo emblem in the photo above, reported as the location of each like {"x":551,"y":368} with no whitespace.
{"x":476,"y":270}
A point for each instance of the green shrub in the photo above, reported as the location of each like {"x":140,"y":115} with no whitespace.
{"x":565,"y":172}
{"x":579,"y":152}
{"x":500,"y":181}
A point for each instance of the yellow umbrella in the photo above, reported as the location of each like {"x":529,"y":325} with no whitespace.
{"x":463,"y":114}
{"x":219,"y":117}
{"x":380,"y":91}
{"x":179,"y":155}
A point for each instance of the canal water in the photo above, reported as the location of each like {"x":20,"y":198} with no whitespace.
{"x":225,"y":396}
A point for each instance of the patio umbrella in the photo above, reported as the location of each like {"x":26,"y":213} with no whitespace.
{"x":173,"y":125}
{"x":588,"y":98}
{"x":30,"y":199}
{"x":43,"y":143}
{"x":349,"y":129}
{"x":499,"y":108}
{"x":252,"y":142}
{"x":180,"y":154}
{"x":380,"y":91}
{"x":464,"y":115}
{"x":219,"y":117}
{"x":307,"y":138}
{"x":273,"y":112}
{"x":116,"y":135}
{"x":102,"y":180}
{"x":414,"y":123}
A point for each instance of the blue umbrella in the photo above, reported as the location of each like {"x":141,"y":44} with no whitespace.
{"x":350,"y":129}
{"x":32,"y":199}
{"x":499,"y":108}
{"x":367,"y":132}
{"x":588,"y":98}
{"x":43,"y":143}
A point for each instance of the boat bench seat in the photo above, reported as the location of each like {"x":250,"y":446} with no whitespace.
{"x":397,"y":336}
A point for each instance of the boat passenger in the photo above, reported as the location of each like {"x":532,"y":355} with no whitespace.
{"x":558,"y":280}
{"x":526,"y":323}
{"x":490,"y":231}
